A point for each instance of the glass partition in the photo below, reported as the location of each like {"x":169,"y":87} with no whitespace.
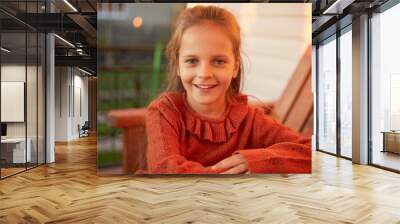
{"x":13,"y":89}
{"x":22,"y":89}
{"x":346,"y":93}
{"x":327,"y":95}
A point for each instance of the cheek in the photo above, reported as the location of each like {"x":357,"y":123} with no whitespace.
{"x":225,"y":79}
{"x":185,"y":76}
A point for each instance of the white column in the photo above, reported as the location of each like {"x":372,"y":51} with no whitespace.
{"x":50,"y":92}
{"x":360,"y":90}
{"x":50,"y":100}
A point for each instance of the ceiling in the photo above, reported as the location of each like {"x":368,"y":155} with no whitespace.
{"x":72,"y":20}
{"x":332,"y":15}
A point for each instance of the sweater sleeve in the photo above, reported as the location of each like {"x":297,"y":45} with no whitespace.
{"x":283,"y":150}
{"x":163,"y":154}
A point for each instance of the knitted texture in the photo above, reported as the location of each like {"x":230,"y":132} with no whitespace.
{"x":182,"y":141}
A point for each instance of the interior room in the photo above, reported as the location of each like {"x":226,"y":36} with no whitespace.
{"x":30,"y":92}
{"x":333,"y":52}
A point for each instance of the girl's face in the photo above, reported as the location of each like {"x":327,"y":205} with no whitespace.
{"x":206,"y":64}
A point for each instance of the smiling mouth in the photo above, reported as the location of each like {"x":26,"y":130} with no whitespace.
{"x":205,"y":86}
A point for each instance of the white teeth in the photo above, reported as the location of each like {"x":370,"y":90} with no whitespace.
{"x":202,"y":86}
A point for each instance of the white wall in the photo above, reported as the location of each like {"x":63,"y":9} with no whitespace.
{"x":274,"y":38}
{"x":33,"y":126}
{"x":61,"y":103}
{"x":70,"y":83}
{"x":79,"y":117}
{"x":12,"y":73}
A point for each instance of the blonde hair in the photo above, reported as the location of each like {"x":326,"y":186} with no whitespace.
{"x":194,"y":16}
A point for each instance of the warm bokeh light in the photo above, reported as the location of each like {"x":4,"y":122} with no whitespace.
{"x":137,"y":22}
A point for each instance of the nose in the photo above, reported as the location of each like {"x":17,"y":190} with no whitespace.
{"x":205,"y":71}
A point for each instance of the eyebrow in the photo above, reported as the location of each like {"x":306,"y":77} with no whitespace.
{"x":189,"y":56}
{"x":215,"y":56}
{"x":220,"y":56}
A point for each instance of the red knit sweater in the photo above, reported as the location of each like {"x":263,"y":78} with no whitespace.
{"x":182,"y":141}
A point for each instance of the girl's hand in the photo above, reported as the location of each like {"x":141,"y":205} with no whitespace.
{"x":235,"y":164}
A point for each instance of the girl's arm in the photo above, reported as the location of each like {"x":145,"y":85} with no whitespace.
{"x":163,"y":154}
{"x":283,"y":150}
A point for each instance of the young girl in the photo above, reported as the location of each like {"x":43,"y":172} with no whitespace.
{"x":203,"y":124}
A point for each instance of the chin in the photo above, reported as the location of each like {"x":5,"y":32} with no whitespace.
{"x":205,"y":99}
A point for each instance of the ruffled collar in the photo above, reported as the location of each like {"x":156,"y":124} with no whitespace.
{"x":216,"y":130}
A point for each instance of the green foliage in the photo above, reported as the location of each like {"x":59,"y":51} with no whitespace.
{"x":107,"y":105}
{"x":104,"y":130}
{"x":109,"y":158}
{"x":130,"y":88}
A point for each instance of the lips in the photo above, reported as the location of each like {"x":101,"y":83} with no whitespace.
{"x":205,"y":86}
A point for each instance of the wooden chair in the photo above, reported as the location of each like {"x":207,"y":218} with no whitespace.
{"x":295,"y":106}
{"x":132,"y":121}
{"x":294,"y":109}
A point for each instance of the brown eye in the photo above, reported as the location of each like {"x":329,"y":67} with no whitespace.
{"x":191,"y":61}
{"x":219,"y":62}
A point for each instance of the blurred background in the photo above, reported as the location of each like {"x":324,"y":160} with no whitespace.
{"x":131,"y":40}
{"x":131,"y":64}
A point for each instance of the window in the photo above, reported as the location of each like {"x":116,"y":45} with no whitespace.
{"x":346,"y":93}
{"x":327,"y":95}
{"x":385,"y":88}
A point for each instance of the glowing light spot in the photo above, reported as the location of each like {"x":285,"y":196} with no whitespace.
{"x":137,"y":22}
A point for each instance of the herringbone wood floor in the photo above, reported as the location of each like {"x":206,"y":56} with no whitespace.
{"x":69,"y":191}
